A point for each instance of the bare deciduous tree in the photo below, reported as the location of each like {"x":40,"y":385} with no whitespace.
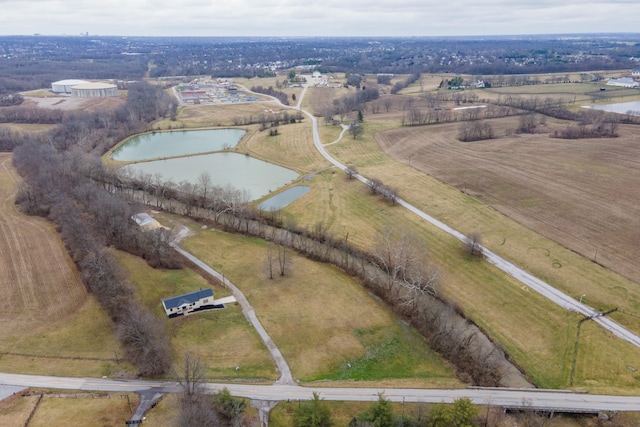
{"x":191,"y":376}
{"x":268,"y":262}
{"x":351,"y":171}
{"x":283,"y":260}
{"x":355,"y":129}
{"x":473,"y":245}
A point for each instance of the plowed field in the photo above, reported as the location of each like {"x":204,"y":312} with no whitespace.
{"x":584,"y":194}
{"x":38,"y":282}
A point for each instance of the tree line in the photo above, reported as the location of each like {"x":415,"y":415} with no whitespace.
{"x":281,"y":96}
{"x":64,"y":182}
{"x":397,"y":270}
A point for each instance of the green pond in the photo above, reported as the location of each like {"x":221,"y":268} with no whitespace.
{"x":175,"y":156}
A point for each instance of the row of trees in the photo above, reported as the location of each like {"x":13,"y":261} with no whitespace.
{"x":398,"y":86}
{"x":281,"y":96}
{"x":315,"y":413}
{"x":352,"y":102}
{"x":398,"y":271}
{"x":269,"y":119}
{"x":475,"y":131}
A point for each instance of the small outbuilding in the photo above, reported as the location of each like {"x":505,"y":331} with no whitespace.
{"x":190,"y":303}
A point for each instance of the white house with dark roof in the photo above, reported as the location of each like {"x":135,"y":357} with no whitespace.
{"x":190,"y":303}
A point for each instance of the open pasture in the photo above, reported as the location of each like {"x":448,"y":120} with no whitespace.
{"x":580,"y":193}
{"x":336,"y":321}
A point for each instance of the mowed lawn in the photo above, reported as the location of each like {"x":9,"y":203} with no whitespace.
{"x":321,"y":319}
{"x":221,"y":339}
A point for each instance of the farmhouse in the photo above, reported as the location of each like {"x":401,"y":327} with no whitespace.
{"x":636,"y":72}
{"x":190,"y":303}
{"x":624,"y":82}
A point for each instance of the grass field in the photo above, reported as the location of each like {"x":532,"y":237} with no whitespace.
{"x":343,"y":206}
{"x":337,"y":322}
{"x":103,"y":410}
{"x":579,"y":193}
{"x":546,"y":351}
{"x":221,"y":339}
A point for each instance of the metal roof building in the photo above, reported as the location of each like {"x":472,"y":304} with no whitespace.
{"x":64,"y":86}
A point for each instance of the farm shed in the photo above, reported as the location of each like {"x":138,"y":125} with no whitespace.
{"x":190,"y":303}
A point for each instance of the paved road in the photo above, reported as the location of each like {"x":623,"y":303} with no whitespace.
{"x":508,"y":267}
{"x":560,"y":401}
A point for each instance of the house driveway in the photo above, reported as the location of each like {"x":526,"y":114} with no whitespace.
{"x":248,"y":311}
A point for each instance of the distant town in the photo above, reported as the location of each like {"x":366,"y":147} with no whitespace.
{"x":132,"y":58}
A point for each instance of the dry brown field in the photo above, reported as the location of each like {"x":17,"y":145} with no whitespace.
{"x":581,"y":193}
{"x":69,"y":103}
{"x":91,"y":409}
{"x":47,"y":317}
{"x":39,"y":280}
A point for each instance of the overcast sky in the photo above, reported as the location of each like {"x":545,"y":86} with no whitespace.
{"x":317,"y":18}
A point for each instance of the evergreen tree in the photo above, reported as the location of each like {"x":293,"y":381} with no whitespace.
{"x":313,"y":413}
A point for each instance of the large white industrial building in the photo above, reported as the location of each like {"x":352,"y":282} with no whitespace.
{"x":64,"y":86}
{"x":84,"y":89}
{"x":94,"y":90}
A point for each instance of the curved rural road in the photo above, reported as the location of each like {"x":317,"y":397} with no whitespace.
{"x":553,"y":400}
{"x":508,"y":267}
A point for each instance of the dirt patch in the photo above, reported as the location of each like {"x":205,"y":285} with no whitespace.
{"x":580,"y":193}
{"x":68,"y":103}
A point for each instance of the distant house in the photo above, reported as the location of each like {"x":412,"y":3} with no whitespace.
{"x":190,"y":303}
{"x":636,"y":72}
{"x":623,"y":82}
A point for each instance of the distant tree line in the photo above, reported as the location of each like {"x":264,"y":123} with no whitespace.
{"x":398,"y":86}
{"x":267,"y":120}
{"x":351,"y":102}
{"x":281,"y":96}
